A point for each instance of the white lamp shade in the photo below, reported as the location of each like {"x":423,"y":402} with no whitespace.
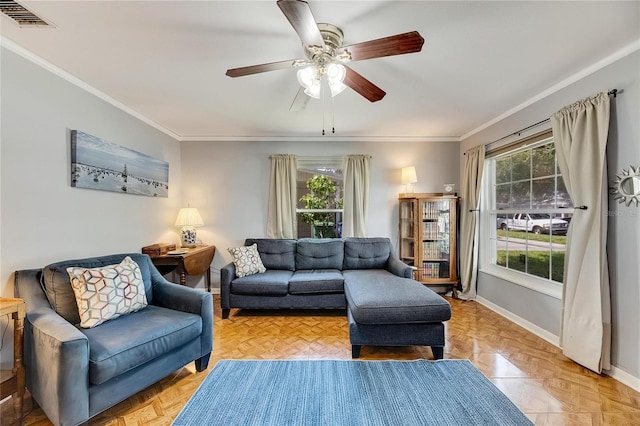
{"x":306,"y":76}
{"x":189,"y":216}
{"x":336,"y":88}
{"x":336,"y":72}
{"x":408,"y":175}
{"x":314,"y":89}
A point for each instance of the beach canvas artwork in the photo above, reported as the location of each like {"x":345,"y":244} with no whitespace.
{"x":102,"y":165}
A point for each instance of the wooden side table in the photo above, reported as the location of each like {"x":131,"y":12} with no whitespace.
{"x":196,"y":261}
{"x":12,"y":381}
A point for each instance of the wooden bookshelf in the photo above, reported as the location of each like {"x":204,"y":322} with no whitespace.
{"x":428,"y":237}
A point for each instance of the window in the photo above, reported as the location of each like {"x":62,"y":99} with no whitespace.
{"x":526,"y":215}
{"x":320,"y":192}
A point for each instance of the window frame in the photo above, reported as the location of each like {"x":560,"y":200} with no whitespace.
{"x":311,"y":162}
{"x":488,"y":228}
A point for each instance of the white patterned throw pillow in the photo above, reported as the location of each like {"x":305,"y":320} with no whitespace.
{"x":247,"y":260}
{"x":107,"y":292}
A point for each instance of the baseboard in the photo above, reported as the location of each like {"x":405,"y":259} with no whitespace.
{"x":615,"y":373}
{"x":529,"y":326}
{"x":624,"y":378}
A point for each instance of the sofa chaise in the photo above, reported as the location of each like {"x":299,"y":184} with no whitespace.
{"x":385,"y":306}
{"x":74,"y":373}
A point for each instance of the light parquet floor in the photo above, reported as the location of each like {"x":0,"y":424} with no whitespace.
{"x":549,"y":388}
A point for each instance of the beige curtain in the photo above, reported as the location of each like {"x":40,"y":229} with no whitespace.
{"x":469,"y":229}
{"x":356,"y":195}
{"x":580,"y":136}
{"x":281,"y":214}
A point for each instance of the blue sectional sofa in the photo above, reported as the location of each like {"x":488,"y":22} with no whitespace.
{"x":75,"y":373}
{"x":385,"y":306}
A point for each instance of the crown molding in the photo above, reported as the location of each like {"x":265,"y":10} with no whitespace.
{"x":608,"y":60}
{"x":282,"y":138}
{"x":619,"y":54}
{"x":43,"y":63}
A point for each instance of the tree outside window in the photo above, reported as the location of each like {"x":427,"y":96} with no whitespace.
{"x":320,"y":203}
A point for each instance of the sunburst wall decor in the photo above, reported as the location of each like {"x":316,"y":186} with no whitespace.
{"x":626,"y":187}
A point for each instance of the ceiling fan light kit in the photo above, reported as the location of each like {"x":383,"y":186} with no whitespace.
{"x":325,"y":55}
{"x":310,"y":78}
{"x":335,"y":78}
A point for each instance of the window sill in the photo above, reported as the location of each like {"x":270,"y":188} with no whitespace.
{"x":549,"y":288}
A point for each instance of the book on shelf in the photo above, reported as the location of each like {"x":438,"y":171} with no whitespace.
{"x":431,"y":270}
{"x":430,"y":231}
{"x":431,"y":250}
{"x":433,"y":209}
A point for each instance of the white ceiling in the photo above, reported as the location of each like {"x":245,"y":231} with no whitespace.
{"x":166,"y":60}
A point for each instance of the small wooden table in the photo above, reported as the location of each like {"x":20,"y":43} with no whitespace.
{"x":196,"y":261}
{"x":12,"y":381}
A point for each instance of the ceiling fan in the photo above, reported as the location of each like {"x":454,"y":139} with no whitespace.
{"x":326,"y":56}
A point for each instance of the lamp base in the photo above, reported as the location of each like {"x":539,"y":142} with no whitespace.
{"x":408,"y":189}
{"x":188,"y":236}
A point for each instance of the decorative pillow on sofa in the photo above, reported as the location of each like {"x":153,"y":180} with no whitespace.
{"x":247,"y":260}
{"x":107,"y":292}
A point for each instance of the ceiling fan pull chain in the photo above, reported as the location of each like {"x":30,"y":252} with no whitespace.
{"x":333,"y":117}
{"x":322,"y":96}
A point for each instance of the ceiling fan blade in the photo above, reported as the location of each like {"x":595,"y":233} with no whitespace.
{"x":363,"y":86}
{"x":300,"y":101}
{"x":299,"y":15}
{"x":272,"y":66}
{"x":398,"y":44}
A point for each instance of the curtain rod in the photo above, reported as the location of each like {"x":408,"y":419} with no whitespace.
{"x":613,"y":92}
{"x":319,"y":157}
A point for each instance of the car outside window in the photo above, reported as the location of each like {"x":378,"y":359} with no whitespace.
{"x":526,"y":215}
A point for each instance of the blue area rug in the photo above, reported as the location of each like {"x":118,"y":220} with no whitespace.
{"x":336,"y":393}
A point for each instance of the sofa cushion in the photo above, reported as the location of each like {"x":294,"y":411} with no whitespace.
{"x":316,"y":281}
{"x":57,"y":285}
{"x":379,"y":297}
{"x":271,"y":283}
{"x":247,"y":260}
{"x":107,"y":292}
{"x":319,"y":253}
{"x":366,"y":253}
{"x":275,"y":254}
{"x":131,"y":340}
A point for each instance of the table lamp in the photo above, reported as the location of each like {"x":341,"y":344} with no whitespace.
{"x":188,"y":219}
{"x":408,"y":177}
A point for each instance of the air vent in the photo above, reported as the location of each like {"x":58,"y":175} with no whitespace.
{"x":23,"y":16}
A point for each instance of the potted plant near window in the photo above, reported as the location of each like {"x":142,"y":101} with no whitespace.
{"x":322,"y":195}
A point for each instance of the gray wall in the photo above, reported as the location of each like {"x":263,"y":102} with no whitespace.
{"x":44,"y":219}
{"x":623,"y":150}
{"x":229,"y":181}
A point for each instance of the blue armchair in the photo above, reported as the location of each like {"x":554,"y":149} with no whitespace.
{"x":75,"y":373}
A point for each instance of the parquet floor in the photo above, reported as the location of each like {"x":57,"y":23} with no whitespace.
{"x":548,"y":388}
